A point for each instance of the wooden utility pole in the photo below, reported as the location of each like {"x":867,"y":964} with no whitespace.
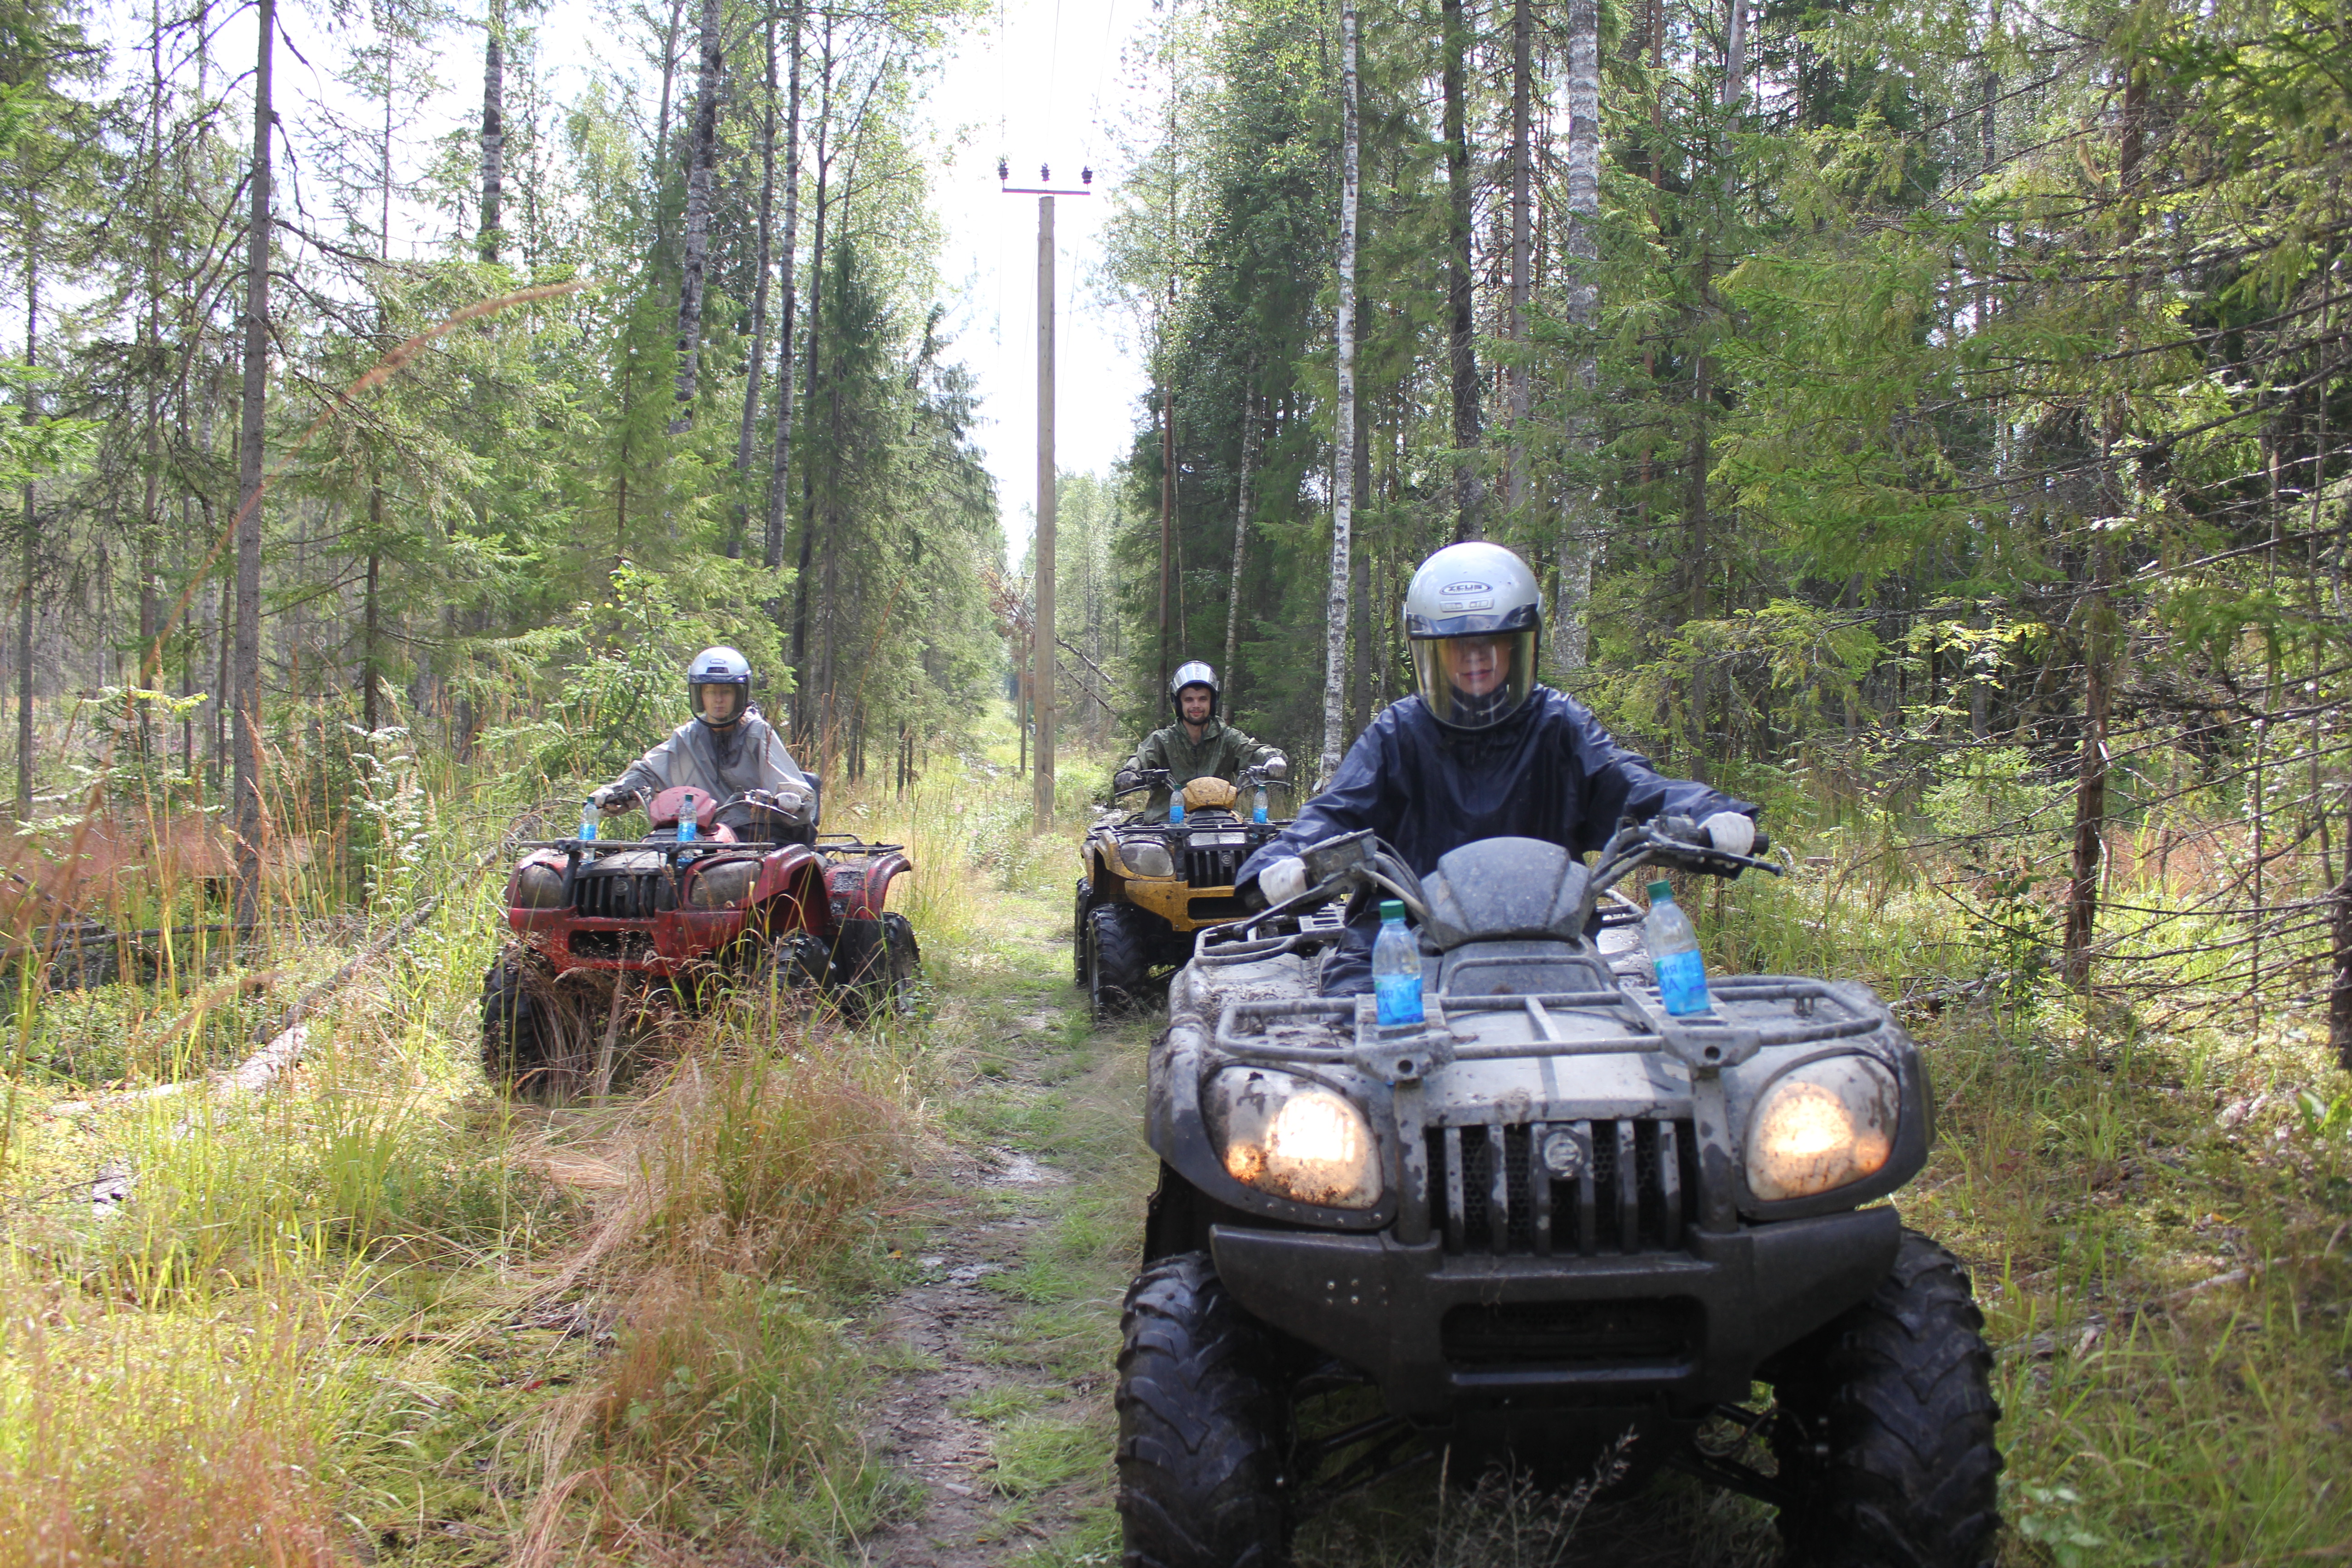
{"x":1041,"y":628}
{"x":1042,"y":780}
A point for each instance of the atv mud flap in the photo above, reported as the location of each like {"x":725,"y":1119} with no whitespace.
{"x":1441,"y":1332}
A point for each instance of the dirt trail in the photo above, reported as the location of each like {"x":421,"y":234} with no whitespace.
{"x":936,"y":1441}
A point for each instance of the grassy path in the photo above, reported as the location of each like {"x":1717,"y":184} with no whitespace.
{"x":999,"y":1350}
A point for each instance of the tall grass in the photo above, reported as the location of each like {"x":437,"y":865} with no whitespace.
{"x":2153,"y":1191}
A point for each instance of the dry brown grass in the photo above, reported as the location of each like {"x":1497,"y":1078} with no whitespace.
{"x":122,"y":1449}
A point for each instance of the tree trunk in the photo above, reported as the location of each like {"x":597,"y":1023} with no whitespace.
{"x":803,"y":707}
{"x":494,"y":130}
{"x":244,"y":679}
{"x":371,"y":668}
{"x":697,"y":260}
{"x":1343,"y":464}
{"x":756,"y":362}
{"x":661,"y":126}
{"x":1522,"y":221}
{"x":24,"y":587}
{"x":1735,"y":56}
{"x":1240,"y":534}
{"x":1167,"y":516}
{"x":1579,"y":512}
{"x":2099,"y":630}
{"x":1359,"y":702}
{"x":780,"y":472}
{"x":1462,"y":319}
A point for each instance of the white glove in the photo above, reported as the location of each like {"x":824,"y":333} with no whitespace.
{"x":1732,"y":832}
{"x":613,"y":800}
{"x":1282,"y":880}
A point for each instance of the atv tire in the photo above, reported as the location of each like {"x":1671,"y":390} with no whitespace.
{"x":1203,"y":1427}
{"x":1884,"y":1430}
{"x":522,"y":1050}
{"x":876,"y":964}
{"x":1078,"y":932}
{"x":1117,"y":965}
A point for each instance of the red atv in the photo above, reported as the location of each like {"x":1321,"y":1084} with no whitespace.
{"x":749,"y":897}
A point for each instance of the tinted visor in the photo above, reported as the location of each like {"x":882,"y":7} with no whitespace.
{"x":1472,"y":681}
{"x":719,"y":702}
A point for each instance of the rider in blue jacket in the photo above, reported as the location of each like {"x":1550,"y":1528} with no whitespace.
{"x":1481,"y":751}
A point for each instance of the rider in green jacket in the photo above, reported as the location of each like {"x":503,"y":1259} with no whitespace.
{"x":1199,"y":745}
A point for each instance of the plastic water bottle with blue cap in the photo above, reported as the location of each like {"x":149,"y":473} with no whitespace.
{"x":1396,"y":969}
{"x":688,"y":829}
{"x":1674,"y":950}
{"x":1257,"y":803}
{"x":1175,"y":805}
{"x":588,"y":821}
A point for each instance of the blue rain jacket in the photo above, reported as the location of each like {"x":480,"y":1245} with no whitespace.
{"x":1549,"y":772}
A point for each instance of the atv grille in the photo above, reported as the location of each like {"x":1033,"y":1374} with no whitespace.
{"x":1213,"y":858}
{"x":1611,"y":1186}
{"x":633,"y":896}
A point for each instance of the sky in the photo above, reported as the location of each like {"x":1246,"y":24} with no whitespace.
{"x":1033,"y":81}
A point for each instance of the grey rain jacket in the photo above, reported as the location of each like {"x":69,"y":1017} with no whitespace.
{"x":1549,"y":772}
{"x":747,"y":754}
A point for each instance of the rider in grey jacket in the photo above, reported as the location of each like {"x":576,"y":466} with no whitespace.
{"x":727,"y":749}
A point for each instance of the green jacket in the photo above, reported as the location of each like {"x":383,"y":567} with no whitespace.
{"x":1222,"y":753}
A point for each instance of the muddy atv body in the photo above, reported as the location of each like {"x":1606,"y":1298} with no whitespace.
{"x":1547,"y":1216}
{"x":590,"y":916}
{"x":1146,"y":888}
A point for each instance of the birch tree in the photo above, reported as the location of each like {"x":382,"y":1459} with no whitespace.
{"x":1343,"y":462}
{"x":1580,"y":498}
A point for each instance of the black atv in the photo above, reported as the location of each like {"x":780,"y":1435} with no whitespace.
{"x":1549,"y":1216}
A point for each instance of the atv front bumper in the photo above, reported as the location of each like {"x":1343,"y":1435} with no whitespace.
{"x":1444,"y":1332}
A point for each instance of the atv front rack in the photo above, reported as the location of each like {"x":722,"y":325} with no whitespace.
{"x":1705,"y":1043}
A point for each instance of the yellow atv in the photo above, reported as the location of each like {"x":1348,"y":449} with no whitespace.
{"x":1149,"y":886}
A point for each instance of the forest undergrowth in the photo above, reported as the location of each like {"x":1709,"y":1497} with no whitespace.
{"x":378,"y":1312}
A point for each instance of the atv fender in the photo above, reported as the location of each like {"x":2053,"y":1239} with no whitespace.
{"x":790,"y":894}
{"x":859,"y":888}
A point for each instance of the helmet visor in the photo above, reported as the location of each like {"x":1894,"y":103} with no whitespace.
{"x":1471,"y":682}
{"x":719,"y":702}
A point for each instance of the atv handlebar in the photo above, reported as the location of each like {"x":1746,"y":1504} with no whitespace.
{"x":1353,"y":860}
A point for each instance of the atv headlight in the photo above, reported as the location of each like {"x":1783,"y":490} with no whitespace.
{"x":1821,"y":1126}
{"x":1147,"y":858}
{"x":538,"y":887}
{"x":1294,"y":1138}
{"x":722,"y":885}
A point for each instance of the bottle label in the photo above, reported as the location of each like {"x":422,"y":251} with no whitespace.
{"x":1682,"y":984}
{"x":587,"y":829}
{"x":1400,"y":999}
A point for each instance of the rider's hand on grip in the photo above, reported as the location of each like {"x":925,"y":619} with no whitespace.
{"x":1732,"y":832}
{"x":1124,"y":781}
{"x":1282,"y":880}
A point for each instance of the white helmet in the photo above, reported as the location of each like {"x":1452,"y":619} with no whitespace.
{"x":1193,"y":672}
{"x":718,"y":686}
{"x":1473,"y":617}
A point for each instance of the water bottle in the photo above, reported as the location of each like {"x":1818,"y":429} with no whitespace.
{"x":1673,"y":949}
{"x":588,"y":821}
{"x":686,"y":825}
{"x":1257,"y":804}
{"x":1175,"y":805}
{"x":1396,"y":969}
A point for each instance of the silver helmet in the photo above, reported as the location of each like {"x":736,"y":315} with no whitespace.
{"x":1193,"y":672}
{"x":718,"y":686}
{"x":1473,"y":617}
